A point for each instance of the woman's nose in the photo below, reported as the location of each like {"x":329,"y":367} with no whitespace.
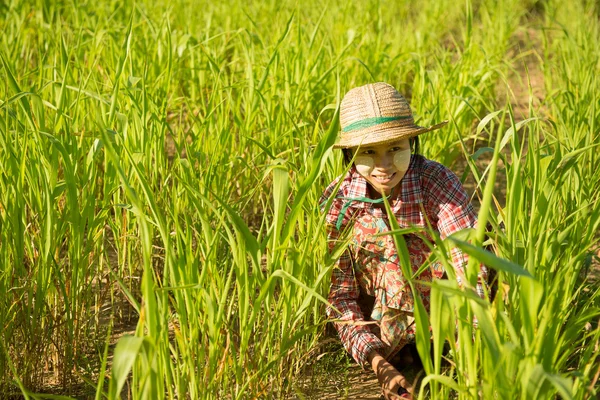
{"x":383,"y":162}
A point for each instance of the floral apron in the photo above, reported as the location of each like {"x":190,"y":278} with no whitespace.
{"x":378,"y":273}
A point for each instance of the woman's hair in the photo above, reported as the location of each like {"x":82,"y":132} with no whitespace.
{"x":414,"y":146}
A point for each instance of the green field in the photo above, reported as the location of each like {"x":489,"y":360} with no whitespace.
{"x":161,"y":166}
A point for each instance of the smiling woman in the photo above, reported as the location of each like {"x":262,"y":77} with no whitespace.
{"x":372,"y":302}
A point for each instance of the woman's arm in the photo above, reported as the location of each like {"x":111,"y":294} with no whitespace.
{"x":349,"y":321}
{"x":355,"y":335}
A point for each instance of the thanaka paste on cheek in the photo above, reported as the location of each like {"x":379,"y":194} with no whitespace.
{"x":402,"y":160}
{"x":364,"y":165}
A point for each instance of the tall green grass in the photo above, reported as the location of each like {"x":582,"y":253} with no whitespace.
{"x":172,"y":157}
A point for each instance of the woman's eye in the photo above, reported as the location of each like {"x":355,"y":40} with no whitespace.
{"x":395,"y":148}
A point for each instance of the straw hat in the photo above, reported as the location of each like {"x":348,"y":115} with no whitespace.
{"x":376,"y":113}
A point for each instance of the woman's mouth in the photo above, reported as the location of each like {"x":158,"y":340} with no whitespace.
{"x":384,"y":178}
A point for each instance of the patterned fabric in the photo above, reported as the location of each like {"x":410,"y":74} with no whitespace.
{"x":428,"y":192}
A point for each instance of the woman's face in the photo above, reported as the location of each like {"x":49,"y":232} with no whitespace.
{"x":383,"y":165}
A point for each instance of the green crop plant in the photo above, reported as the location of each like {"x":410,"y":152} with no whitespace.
{"x":161,"y":167}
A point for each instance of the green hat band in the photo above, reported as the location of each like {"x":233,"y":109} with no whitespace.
{"x":369,"y":122}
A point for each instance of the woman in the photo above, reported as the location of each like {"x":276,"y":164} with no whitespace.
{"x":379,"y":134}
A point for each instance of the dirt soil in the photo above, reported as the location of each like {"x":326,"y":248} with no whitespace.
{"x":354,"y":383}
{"x":351,"y":382}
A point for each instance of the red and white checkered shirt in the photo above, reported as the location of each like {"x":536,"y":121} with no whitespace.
{"x":427,"y":185}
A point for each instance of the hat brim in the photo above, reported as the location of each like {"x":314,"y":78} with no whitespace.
{"x":385,"y":135}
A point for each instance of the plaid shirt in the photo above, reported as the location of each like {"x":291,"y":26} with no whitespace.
{"x":428,"y":186}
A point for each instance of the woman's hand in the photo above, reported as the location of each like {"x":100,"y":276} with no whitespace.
{"x":391,"y":381}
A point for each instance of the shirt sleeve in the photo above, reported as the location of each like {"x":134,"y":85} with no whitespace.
{"x":356,"y":337}
{"x":449,"y":208}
